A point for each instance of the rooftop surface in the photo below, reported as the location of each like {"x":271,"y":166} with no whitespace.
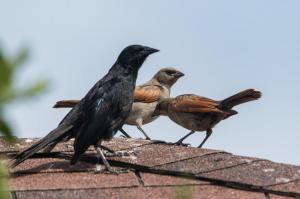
{"x":157,"y":170}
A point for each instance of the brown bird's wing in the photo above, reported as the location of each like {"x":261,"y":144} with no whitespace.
{"x":195,"y":104}
{"x":147,"y":94}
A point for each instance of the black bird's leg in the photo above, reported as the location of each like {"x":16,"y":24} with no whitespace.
{"x":208,"y":133}
{"x":105,"y":162}
{"x":145,"y":134}
{"x":124,"y":133}
{"x":108,"y":149}
{"x":179,"y":142}
{"x":101,"y":156}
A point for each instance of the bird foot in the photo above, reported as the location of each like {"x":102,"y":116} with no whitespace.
{"x":121,"y":170}
{"x":123,"y":136}
{"x":158,"y":142}
{"x":182,"y":144}
{"x":120,"y":154}
{"x":111,"y":170}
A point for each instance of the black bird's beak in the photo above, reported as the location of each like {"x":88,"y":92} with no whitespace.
{"x":148,"y":50}
{"x":178,"y":74}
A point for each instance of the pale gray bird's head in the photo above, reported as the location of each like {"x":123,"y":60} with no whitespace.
{"x":168,"y":76}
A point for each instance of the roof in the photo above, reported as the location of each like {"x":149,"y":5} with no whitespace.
{"x":157,"y":170}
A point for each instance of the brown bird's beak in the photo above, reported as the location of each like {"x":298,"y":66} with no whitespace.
{"x":178,"y":74}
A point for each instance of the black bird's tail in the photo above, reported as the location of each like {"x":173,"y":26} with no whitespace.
{"x":239,"y":98}
{"x":57,"y":134}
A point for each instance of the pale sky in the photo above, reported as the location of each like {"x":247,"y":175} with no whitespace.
{"x":222,"y":46}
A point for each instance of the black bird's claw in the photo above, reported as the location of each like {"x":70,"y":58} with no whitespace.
{"x":120,"y":154}
{"x":117,"y":171}
{"x":122,"y":170}
{"x":111,"y":170}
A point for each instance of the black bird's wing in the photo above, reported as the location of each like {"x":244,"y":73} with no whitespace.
{"x":105,"y":114}
{"x":65,"y":130}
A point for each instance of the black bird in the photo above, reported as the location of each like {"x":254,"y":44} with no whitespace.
{"x":101,"y":112}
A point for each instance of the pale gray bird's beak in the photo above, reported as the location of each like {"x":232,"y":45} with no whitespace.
{"x":178,"y":74}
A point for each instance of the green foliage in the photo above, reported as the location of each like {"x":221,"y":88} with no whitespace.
{"x":3,"y":182}
{"x":9,"y":93}
{"x":9,"y":66}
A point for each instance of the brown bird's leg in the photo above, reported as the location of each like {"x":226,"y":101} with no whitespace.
{"x":124,"y":133}
{"x":139,"y":126}
{"x":179,"y":142}
{"x":208,"y":133}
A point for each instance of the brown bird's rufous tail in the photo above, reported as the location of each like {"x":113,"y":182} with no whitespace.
{"x":240,"y":98}
{"x":66,"y":103}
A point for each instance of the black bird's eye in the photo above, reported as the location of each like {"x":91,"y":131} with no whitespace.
{"x":139,"y":49}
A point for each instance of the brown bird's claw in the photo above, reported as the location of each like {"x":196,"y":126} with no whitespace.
{"x":182,"y":144}
{"x":158,"y":142}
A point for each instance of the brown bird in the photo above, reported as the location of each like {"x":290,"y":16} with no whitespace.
{"x":198,"y":113}
{"x":146,"y":97}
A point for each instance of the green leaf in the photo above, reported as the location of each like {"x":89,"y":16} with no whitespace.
{"x":34,"y":89}
{"x":6,"y":130}
{"x":20,"y":58}
{"x":5,"y":72}
{"x":10,"y":95}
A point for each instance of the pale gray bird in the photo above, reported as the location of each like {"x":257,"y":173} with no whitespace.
{"x":198,"y":113}
{"x":146,"y":97}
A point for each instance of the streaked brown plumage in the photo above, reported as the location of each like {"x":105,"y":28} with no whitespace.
{"x":198,"y":113}
{"x":146,"y":97}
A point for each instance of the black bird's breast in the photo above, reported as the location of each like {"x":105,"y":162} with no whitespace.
{"x":103,"y":111}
